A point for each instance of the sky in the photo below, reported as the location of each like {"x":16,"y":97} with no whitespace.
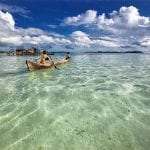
{"x":75,"y":25}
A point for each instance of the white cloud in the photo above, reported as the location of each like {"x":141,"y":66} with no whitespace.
{"x":125,"y":17}
{"x":125,"y":25}
{"x":13,"y":36}
{"x":29,"y":31}
{"x":106,"y":43}
{"x":87,"y":18}
{"x":79,"y":34}
{"x":82,"y":39}
{"x":6,"y":21}
{"x":145,"y":41}
{"x":125,"y":28}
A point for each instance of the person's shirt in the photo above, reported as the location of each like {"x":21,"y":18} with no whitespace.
{"x":43,"y":58}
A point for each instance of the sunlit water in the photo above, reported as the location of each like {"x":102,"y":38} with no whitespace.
{"x":96,"y":102}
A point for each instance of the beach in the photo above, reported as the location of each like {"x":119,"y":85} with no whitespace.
{"x":97,"y":101}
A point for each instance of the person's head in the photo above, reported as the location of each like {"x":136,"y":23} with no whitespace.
{"x":68,"y":53}
{"x":44,"y":52}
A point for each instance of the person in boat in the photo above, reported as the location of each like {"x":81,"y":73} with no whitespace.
{"x":67,"y":56}
{"x":44,"y":57}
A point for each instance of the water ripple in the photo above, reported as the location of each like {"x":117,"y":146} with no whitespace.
{"x":95,"y":102}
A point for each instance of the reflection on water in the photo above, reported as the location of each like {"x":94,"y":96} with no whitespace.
{"x":95,"y":102}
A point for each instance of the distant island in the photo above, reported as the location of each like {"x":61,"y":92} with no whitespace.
{"x":35,"y":51}
{"x":115,"y":52}
{"x":3,"y":51}
{"x":30,"y":51}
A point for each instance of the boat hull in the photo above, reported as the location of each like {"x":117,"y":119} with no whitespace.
{"x":33,"y":66}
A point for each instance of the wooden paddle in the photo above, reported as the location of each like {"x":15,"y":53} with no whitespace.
{"x":53,"y":62}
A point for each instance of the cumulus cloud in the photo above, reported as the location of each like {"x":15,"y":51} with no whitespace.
{"x":125,"y":17}
{"x":82,"y":39}
{"x":145,"y":41}
{"x":126,"y":25}
{"x":79,"y":34}
{"x":87,"y":18}
{"x":14,"y":36}
{"x":6,"y":21}
{"x":125,"y":20}
{"x":124,"y":28}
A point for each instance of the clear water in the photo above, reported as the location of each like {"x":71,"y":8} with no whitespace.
{"x":95,"y":102}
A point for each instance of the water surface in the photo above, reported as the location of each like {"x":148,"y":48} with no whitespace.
{"x":94,"y":102}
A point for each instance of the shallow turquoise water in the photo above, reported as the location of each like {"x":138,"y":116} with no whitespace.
{"x":95,"y":102}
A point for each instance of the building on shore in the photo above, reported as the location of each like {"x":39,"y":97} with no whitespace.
{"x":22,"y":51}
{"x":11,"y":53}
{"x":32,"y":51}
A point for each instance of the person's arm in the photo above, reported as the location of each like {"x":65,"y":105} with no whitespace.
{"x":47,"y":58}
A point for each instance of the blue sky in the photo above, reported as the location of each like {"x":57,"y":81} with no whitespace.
{"x":75,"y":25}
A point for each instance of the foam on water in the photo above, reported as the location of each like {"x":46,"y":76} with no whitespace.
{"x":95,"y":102}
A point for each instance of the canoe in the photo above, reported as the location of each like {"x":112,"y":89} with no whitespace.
{"x":33,"y":65}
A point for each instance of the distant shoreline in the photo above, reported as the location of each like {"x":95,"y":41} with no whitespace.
{"x":90,"y":52}
{"x":116,"y":52}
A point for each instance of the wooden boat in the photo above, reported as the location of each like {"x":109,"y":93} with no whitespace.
{"x":33,"y":65}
